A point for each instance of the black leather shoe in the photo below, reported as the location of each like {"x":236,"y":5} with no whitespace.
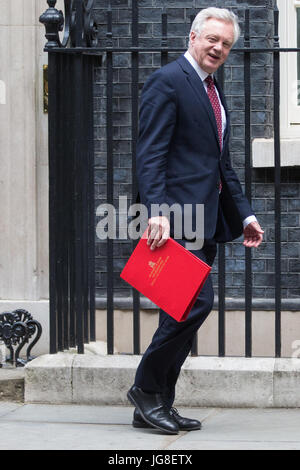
{"x":184,"y":424}
{"x":153,"y":410}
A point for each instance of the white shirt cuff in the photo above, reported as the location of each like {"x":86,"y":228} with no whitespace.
{"x":248,"y":220}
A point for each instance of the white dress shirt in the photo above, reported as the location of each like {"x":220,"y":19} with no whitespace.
{"x":203,"y":75}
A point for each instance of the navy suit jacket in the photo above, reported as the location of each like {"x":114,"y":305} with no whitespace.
{"x":178,"y":154}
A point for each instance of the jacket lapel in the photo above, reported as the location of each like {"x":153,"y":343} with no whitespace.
{"x":199,"y":90}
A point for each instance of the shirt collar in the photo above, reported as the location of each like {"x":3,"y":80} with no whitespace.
{"x":202,"y":74}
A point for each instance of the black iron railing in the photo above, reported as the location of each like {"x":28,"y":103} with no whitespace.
{"x":165,"y":52}
{"x":72,"y":269}
{"x":71,"y":174}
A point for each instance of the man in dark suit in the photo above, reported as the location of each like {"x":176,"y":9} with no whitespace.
{"x":183,"y":157}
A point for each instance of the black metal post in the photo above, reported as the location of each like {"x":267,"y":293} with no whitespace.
{"x":110,"y":186}
{"x":78,"y":196}
{"x":277,"y":162}
{"x":134,"y":135}
{"x":91,"y":203}
{"x":221,"y":272}
{"x":52,"y":106}
{"x":248,"y":185}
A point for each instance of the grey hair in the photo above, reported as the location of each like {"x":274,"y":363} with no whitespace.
{"x":219,"y":14}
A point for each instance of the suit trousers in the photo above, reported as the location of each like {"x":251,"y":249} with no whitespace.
{"x":161,"y":363}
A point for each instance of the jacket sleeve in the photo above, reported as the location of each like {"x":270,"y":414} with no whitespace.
{"x":235,"y":189}
{"x":157,"y":124}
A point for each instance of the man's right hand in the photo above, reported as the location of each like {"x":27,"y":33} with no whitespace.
{"x":158,"y":231}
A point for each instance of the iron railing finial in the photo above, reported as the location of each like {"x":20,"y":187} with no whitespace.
{"x":78,"y":23}
{"x":53,"y":21}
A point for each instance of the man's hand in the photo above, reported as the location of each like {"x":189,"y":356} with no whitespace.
{"x":158,"y":231}
{"x":253,"y":235}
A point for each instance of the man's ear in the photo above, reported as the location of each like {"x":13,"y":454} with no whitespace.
{"x":192,"y":36}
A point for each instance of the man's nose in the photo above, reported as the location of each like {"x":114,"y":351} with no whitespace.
{"x":218,"y":46}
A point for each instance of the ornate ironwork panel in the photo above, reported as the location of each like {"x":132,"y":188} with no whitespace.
{"x":18,"y":328}
{"x":78,"y":25}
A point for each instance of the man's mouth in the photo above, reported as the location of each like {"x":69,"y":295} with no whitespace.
{"x":215,"y":57}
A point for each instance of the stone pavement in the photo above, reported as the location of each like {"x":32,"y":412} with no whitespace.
{"x":82,"y":427}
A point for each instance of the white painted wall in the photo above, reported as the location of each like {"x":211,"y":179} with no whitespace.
{"x":23,"y":156}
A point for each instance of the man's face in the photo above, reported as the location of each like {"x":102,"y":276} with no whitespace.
{"x":211,"y":48}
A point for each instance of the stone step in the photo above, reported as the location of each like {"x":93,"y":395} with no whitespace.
{"x":12,"y":384}
{"x":95,"y":379}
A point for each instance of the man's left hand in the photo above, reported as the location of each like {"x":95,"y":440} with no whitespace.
{"x":253,"y":235}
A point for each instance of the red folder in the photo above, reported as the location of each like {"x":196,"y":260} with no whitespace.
{"x":170,"y":276}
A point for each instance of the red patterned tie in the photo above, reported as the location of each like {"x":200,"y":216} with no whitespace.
{"x":212,"y":94}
